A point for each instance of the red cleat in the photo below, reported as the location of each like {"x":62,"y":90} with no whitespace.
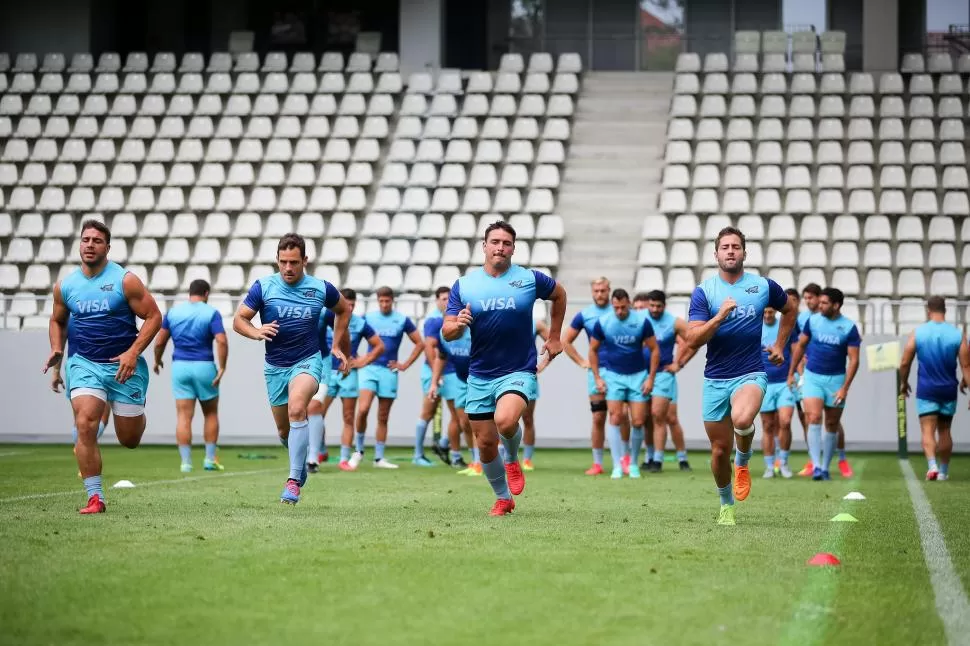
{"x":932,"y":474}
{"x":845,"y":469}
{"x":502,"y":507}
{"x":345,"y":466}
{"x":95,"y":506}
{"x":807,"y":470}
{"x":625,"y":463}
{"x":513,"y":471}
{"x":595,"y":470}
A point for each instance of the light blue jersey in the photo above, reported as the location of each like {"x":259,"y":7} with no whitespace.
{"x":503,"y":342}
{"x":587,"y":318}
{"x":735,"y":348}
{"x":391,"y":328}
{"x":102,"y":323}
{"x":457,"y":352}
{"x":769,"y":335}
{"x":622,"y":340}
{"x":296,"y":309}
{"x":829,"y":343}
{"x":664,"y":328}
{"x":193,"y":326}
{"x":937,"y":349}
{"x":357,"y":328}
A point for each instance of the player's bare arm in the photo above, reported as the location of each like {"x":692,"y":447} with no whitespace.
{"x":683,"y":351}
{"x":797,"y":352}
{"x":651,"y":342}
{"x":437,"y":370}
{"x":242,"y":324}
{"x":341,"y":337}
{"x":161,"y":341}
{"x":553,"y":345}
{"x":143,"y":304}
{"x":57,"y":331}
{"x":700,"y":332}
{"x":376,"y":349}
{"x":542,"y":329}
{"x":594,"y":364}
{"x":416,"y":352}
{"x":570,"y":349}
{"x":454,"y":326}
{"x":222,"y":356}
{"x":789,"y":315}
{"x":964,"y":357}
{"x":906,"y":364}
{"x":850,"y":373}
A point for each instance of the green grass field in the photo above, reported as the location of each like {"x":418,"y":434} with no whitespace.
{"x":410,"y":557}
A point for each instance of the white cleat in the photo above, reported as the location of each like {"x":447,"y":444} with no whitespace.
{"x":940,"y":477}
{"x":785,"y":471}
{"x":769,"y":473}
{"x":356,"y":459}
{"x":384,"y":464}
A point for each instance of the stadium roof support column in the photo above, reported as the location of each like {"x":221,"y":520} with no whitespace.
{"x":422,"y":35}
{"x":880,"y":35}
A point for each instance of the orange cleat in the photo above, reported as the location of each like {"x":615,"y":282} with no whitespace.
{"x":513,"y":471}
{"x":845,"y":469}
{"x":595,"y":470}
{"x":502,"y":507}
{"x":742,"y":482}
{"x":527,"y":465}
{"x":807,"y":470}
{"x":95,"y":506}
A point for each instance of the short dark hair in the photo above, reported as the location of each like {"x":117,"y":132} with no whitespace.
{"x":292,"y":241}
{"x":936,"y":304}
{"x":657,"y":295}
{"x":442,"y":290}
{"x":813,"y":289}
{"x":620,"y":294}
{"x":199,"y":287}
{"x":349,"y":294}
{"x":641,"y":297}
{"x":791,"y":291}
{"x":98,"y":226}
{"x":834,"y":295}
{"x":729,"y":231}
{"x":500,"y":224}
{"x":384,"y":291}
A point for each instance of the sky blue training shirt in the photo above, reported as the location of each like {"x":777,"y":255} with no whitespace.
{"x":829,"y":343}
{"x":586,"y":319}
{"x":357,"y":328}
{"x":937,"y":349}
{"x":769,"y":334}
{"x":193,"y":326}
{"x":391,"y":328}
{"x":622,"y":340}
{"x":664,"y":328}
{"x":103,"y":324}
{"x":457,"y":353}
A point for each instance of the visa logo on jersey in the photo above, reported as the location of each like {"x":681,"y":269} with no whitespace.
{"x":294,"y":312}
{"x":743,"y":312}
{"x":93,"y":306}
{"x":460,"y":351}
{"x":492,"y":304}
{"x":624,"y":339}
{"x":828,"y":339}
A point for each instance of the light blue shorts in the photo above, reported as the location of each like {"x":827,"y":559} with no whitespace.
{"x":717,"y":394}
{"x":484,"y":393}
{"x":91,"y":376}
{"x":591,"y":384}
{"x":798,"y":389}
{"x":624,"y":388}
{"x":379,"y":379}
{"x":278,"y":378}
{"x":193,"y":380}
{"x":777,"y":396}
{"x":425,"y":378}
{"x":453,"y":389}
{"x":665,"y":385}
{"x":343,"y":387}
{"x":823,"y":387}
{"x":535,"y":395}
{"x":930,"y":407}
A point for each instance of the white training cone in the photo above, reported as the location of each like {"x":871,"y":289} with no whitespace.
{"x":854,"y":495}
{"x":123,"y":484}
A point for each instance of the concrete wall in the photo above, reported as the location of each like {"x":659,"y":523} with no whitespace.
{"x":34,"y":413}
{"x":422,"y":35}
{"x":880,"y":35}
{"x":45,"y":26}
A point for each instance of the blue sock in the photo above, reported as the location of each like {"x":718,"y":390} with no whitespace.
{"x":455,"y":456}
{"x":741,"y":458}
{"x":727,"y":494}
{"x":511,"y":445}
{"x":420,"y":430}
{"x":828,"y":449}
{"x":649,"y":452}
{"x":359,"y":442}
{"x":475,"y":456}
{"x":315,"y":437}
{"x":378,"y":451}
{"x":658,"y":456}
{"x":769,"y":461}
{"x":495,"y":472}
{"x":945,"y":468}
{"x":92,"y":484}
{"x":783,"y":456}
{"x":443,"y":442}
{"x":344,"y":452}
{"x":210,"y":451}
{"x":616,"y":441}
{"x":100,"y":429}
{"x":74,"y":434}
{"x":931,"y":464}
{"x":841,"y":455}
{"x":815,"y":444}
{"x":682,"y":456}
{"x":528,"y":451}
{"x":185,"y":452}
{"x":299,"y":437}
{"x":598,"y":456}
{"x":636,"y":441}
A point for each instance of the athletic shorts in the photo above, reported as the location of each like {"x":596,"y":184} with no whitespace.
{"x":823,"y":387}
{"x":454,"y":389}
{"x":98,"y":380}
{"x":591,"y":384}
{"x":378,"y":379}
{"x":778,"y":395}
{"x":425,"y":378}
{"x":665,"y":385}
{"x":484,"y":393}
{"x":930,"y":407}
{"x":193,"y":380}
{"x":717,"y":394}
{"x":624,"y":388}
{"x":278,"y":378}
{"x":798,"y":387}
{"x":341,"y":386}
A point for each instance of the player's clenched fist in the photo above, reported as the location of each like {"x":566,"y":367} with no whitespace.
{"x":727,"y":307}
{"x":465,"y":316}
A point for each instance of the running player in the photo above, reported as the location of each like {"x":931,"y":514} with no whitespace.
{"x":379,"y":379}
{"x":827,"y":338}
{"x":193,"y":326}
{"x":584,"y":321}
{"x":450,"y":370}
{"x":430,"y":406}
{"x":495,"y":303}
{"x":540,"y":330}
{"x":726,"y":311}
{"x":778,"y":404}
{"x":107,"y":367}
{"x":341,"y":386}
{"x":670,"y":330}
{"x":289,"y":305}
{"x":938,"y":345}
{"x":625,"y":377}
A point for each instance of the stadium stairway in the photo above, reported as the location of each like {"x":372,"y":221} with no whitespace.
{"x":613,"y":174}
